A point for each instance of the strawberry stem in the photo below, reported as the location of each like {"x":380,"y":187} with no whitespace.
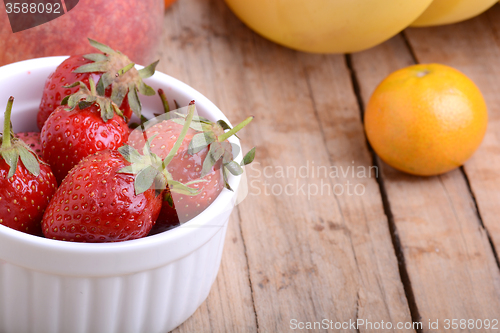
{"x":234,"y":130}
{"x":182,"y":136}
{"x":164,"y":100}
{"x":125,"y":69}
{"x":6,"y":143}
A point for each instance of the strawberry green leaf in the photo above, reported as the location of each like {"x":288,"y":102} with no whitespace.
{"x":11,"y":157}
{"x":101,"y":90}
{"x":216,"y":151}
{"x":249,"y":157}
{"x":160,"y":184}
{"x":151,"y":169}
{"x":133,"y":100}
{"x":234,"y":168}
{"x":118,"y":94}
{"x":74,"y":84}
{"x":101,"y":47}
{"x":91,"y":68}
{"x":214,"y":154}
{"x":229,"y":148}
{"x":105,"y":81}
{"x":130,"y":154}
{"x":30,"y":162}
{"x":65,"y":100}
{"x":145,"y":89}
{"x":110,"y":111}
{"x":208,"y":163}
{"x":84,"y":104}
{"x":148,"y":71}
{"x":12,"y":148}
{"x":124,"y":81}
{"x":95,"y":57}
{"x":180,"y":188}
{"x":104,"y":112}
{"x":84,"y":98}
{"x":146,"y":150}
{"x":144,"y":179}
{"x":199,"y":142}
{"x":73,"y":100}
{"x":215,"y":135}
{"x":223,"y":124}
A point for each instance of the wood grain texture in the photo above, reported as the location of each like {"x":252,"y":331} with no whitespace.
{"x":479,"y":58}
{"x":229,"y":307}
{"x":295,"y":249}
{"x":186,"y":55}
{"x":310,"y":257}
{"x":451,"y":265}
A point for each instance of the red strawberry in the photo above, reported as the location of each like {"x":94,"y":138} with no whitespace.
{"x":179,"y":208}
{"x":96,"y":203}
{"x":102,"y":201}
{"x":117,"y":70}
{"x":184,"y":168}
{"x":91,"y":125}
{"x":201,"y":155}
{"x":32,"y":139}
{"x":26,"y":186}
{"x":55,"y":87}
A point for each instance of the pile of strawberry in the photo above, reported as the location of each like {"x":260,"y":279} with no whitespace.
{"x":87,"y":177}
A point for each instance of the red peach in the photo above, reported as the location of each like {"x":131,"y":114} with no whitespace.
{"x":130,"y":26}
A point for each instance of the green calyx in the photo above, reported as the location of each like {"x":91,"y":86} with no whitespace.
{"x":84,"y":98}
{"x":119,"y":73}
{"x":151,"y":170}
{"x":13,"y":148}
{"x":214,"y":136}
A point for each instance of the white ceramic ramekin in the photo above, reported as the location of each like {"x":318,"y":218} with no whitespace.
{"x":147,"y":285}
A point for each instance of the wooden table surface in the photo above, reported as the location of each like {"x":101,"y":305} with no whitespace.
{"x":406,"y":248}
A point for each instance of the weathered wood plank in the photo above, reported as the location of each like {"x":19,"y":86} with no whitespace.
{"x":310,"y":258}
{"x":186,"y":56}
{"x":229,"y":307}
{"x":451,"y":266}
{"x":336,"y":108}
{"x":479,"y":58}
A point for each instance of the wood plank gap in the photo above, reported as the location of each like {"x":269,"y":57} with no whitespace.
{"x":487,"y":232}
{"x":356,"y":87}
{"x":396,"y":242}
{"x":248,"y":270}
{"x":409,"y":47}
{"x":462,"y":170}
